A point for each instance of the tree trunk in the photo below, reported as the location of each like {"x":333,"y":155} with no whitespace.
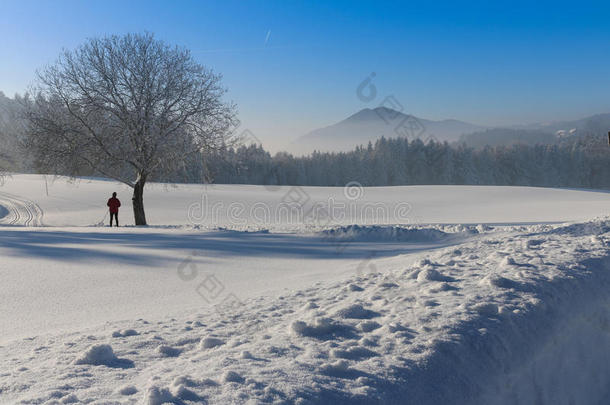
{"x":138,"y":200}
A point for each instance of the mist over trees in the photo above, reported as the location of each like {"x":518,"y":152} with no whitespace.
{"x":580,"y":161}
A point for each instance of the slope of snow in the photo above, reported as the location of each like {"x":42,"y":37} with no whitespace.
{"x":64,"y":278}
{"x":131,"y":273}
{"x":513,"y":316}
{"x":424,"y":295}
{"x":83,"y":203}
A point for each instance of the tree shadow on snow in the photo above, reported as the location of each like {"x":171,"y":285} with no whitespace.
{"x":154,"y":248}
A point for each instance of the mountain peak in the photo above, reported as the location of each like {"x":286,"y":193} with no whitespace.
{"x":367,"y":114}
{"x":370,"y":124}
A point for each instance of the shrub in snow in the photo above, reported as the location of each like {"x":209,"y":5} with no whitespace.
{"x":210,"y":342}
{"x":232,"y":376}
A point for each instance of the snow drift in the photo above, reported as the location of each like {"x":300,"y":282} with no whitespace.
{"x":375,"y":233}
{"x":509,"y":317}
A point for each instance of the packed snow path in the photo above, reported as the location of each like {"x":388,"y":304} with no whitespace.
{"x":16,"y":210}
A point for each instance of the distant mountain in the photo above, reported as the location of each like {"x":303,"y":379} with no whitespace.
{"x":507,"y":137}
{"x":599,"y":123}
{"x":543,"y":133}
{"x":371,"y":124}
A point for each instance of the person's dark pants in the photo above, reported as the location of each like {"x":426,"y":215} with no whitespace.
{"x":116,"y":217}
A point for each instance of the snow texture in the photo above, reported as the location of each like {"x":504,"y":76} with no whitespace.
{"x":491,"y":295}
{"x":515,"y":316}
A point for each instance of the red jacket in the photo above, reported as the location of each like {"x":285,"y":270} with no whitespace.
{"x":114,"y":205}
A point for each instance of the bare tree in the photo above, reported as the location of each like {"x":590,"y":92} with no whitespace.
{"x":126,"y":107}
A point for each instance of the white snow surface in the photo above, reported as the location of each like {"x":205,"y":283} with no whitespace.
{"x":502,"y":301}
{"x":82,"y":202}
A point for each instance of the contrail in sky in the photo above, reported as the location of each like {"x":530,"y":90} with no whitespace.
{"x":267,"y":37}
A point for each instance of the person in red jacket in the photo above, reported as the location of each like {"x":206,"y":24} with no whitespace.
{"x":114,"y":205}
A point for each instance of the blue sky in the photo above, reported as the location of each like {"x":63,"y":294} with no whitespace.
{"x":294,"y":66}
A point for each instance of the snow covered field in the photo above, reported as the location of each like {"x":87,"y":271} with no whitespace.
{"x":250,"y":294}
{"x":83,"y":203}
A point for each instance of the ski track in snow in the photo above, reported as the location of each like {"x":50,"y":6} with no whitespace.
{"x":21,"y":211}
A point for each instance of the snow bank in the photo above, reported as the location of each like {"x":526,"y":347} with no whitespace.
{"x":567,"y":363}
{"x":376,"y":233}
{"x":412,"y":234}
{"x":505,"y":318}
